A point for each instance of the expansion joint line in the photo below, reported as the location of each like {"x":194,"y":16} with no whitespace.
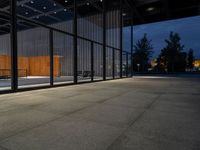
{"x":134,"y":121}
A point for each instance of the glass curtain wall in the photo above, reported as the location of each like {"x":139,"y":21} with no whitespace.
{"x":126,"y":38}
{"x":112,"y":40}
{"x":5,"y":45}
{"x":45,"y":41}
{"x":35,"y":18}
{"x":90,"y":37}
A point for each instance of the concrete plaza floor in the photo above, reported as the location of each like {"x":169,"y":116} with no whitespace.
{"x":141,"y":113}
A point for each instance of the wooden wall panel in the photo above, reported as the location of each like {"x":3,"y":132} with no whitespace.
{"x":40,"y":66}
{"x":57,"y":66}
{"x":5,"y":66}
{"x":23,"y":66}
{"x":30,"y":66}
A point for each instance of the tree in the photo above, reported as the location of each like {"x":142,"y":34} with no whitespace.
{"x":190,"y":59}
{"x":172,"y":56}
{"x":142,"y":54}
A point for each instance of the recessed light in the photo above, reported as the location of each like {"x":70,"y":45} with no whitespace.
{"x":150,"y":9}
{"x":55,"y":12}
{"x":65,"y":9}
{"x":44,"y":7}
{"x":88,"y":3}
{"x":54,"y":4}
{"x":32,"y":2}
{"x":66,"y":1}
{"x":26,"y":13}
{"x":124,"y":14}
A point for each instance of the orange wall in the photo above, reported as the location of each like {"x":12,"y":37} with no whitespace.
{"x":30,"y":66}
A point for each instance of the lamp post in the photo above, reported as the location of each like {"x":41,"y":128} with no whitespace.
{"x":138,"y":65}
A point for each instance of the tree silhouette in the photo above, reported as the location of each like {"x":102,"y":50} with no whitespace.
{"x":190,"y":59}
{"x":142,"y":53}
{"x":173,"y":59}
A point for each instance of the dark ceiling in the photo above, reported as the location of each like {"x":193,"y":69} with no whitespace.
{"x":148,"y":11}
{"x":53,"y":11}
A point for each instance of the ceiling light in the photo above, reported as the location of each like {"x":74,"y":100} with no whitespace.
{"x":65,"y":9}
{"x":88,"y":3}
{"x":124,"y":14}
{"x":150,"y":9}
{"x":26,"y":13}
{"x":66,"y":1}
{"x":55,"y":12}
{"x":44,"y":7}
{"x":54,"y":4}
{"x":32,"y":2}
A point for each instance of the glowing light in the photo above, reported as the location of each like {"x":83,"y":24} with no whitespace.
{"x":150,"y":9}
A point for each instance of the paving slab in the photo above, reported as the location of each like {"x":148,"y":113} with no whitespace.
{"x":73,"y":134}
{"x":140,"y":113}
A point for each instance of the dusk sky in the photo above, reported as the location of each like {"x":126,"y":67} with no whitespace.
{"x":188,"y":29}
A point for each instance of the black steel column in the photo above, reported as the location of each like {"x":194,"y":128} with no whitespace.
{"x":92,"y":61}
{"x":51,"y":56}
{"x":104,"y":39}
{"x":75,"y":43}
{"x":14,"y":70}
{"x":113,"y":60}
{"x":132,"y":44}
{"x":121,"y":36}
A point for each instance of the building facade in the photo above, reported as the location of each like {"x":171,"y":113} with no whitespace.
{"x":45,"y":43}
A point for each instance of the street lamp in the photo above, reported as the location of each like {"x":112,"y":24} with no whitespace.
{"x":138,"y":65}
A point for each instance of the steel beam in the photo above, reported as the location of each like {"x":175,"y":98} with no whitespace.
{"x":51,"y":56}
{"x":75,"y":44}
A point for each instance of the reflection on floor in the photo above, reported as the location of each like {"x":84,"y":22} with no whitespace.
{"x":33,"y":81}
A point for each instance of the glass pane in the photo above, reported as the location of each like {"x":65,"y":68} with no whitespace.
{"x":113,"y":24}
{"x":109,"y":63}
{"x":98,"y":62}
{"x":124,"y":64}
{"x":63,"y":58}
{"x":126,"y":14}
{"x":33,"y":55}
{"x":5,"y":47}
{"x":129,"y":65}
{"x":84,"y":60}
{"x":90,"y":20}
